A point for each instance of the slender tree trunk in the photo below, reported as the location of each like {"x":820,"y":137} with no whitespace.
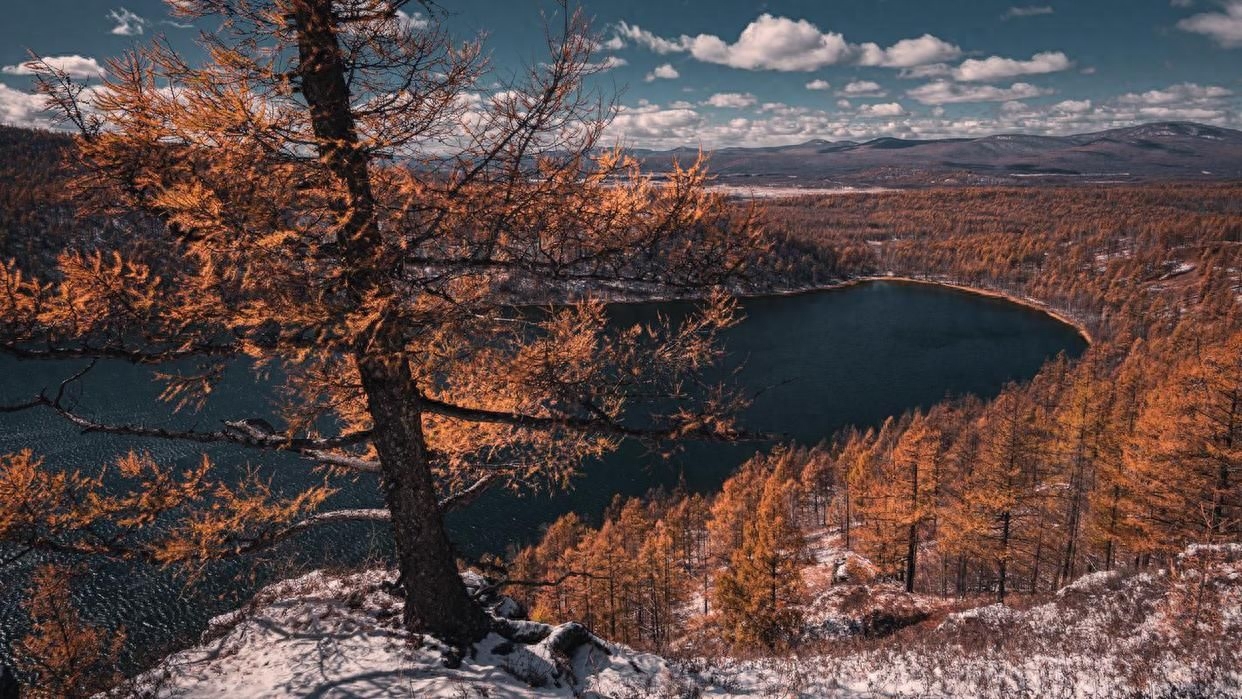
{"x":912,"y":543}
{"x":1222,"y":474}
{"x":1004,"y":557}
{"x":437,"y":601}
{"x":1077,"y":485}
{"x":846,"y":524}
{"x":1111,"y":552}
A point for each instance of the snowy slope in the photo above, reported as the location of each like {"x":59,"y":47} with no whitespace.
{"x":340,"y":636}
{"x":1167,"y":633}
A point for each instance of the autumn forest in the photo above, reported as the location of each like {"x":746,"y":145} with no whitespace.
{"x":324,"y":201}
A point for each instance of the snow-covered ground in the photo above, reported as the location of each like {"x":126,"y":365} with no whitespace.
{"x":340,"y":636}
{"x":1167,"y":633}
{"x":769,"y":191}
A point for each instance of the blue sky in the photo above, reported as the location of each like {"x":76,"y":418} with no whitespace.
{"x":731,"y":72}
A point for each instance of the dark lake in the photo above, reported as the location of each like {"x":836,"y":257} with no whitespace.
{"x":852,"y":356}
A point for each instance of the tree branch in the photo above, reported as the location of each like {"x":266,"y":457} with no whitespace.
{"x":464,"y":497}
{"x":134,"y":356}
{"x":332,"y":517}
{"x":583,"y":424}
{"x":486,"y":590}
{"x":250,"y":439}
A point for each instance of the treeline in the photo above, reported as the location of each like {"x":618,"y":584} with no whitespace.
{"x":657,"y":568}
{"x":41,"y":211}
{"x":1128,"y":260}
{"x":1114,"y":461}
{"x":42,"y":216}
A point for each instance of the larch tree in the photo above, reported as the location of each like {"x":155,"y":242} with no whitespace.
{"x":1187,"y":448}
{"x":1116,"y":523}
{"x":337,"y":195}
{"x":1002,"y":494}
{"x":912,"y":482}
{"x":68,"y":657}
{"x":759,"y":594}
{"x":878,"y":500}
{"x":1078,"y":435}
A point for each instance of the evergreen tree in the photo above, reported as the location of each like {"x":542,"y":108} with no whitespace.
{"x":759,"y":595}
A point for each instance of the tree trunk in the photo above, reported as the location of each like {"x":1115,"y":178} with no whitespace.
{"x":437,"y":601}
{"x":1004,"y":557}
{"x":1222,"y":474}
{"x":912,"y":543}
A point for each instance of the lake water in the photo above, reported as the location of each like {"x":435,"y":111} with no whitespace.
{"x":827,"y":360}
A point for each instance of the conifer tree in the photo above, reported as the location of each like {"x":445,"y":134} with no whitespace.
{"x":759,"y":596}
{"x":1188,"y":447}
{"x":338,"y":193}
{"x":1078,"y":435}
{"x":1003,"y":492}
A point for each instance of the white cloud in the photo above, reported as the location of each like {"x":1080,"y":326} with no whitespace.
{"x":642,"y":37}
{"x":844,"y":103}
{"x":863,"y":88}
{"x":127,"y":23}
{"x":653,"y":124}
{"x":997,"y":67}
{"x":414,"y":22}
{"x":19,"y":108}
{"x":945,"y":92}
{"x":890,"y":109}
{"x":731,"y":100}
{"x":655,"y":127}
{"x":818,"y":85}
{"x":616,"y":43}
{"x":664,"y":72}
{"x":773,"y":107}
{"x":931,"y":70}
{"x":74,"y":65}
{"x":1223,"y":27}
{"x":908,"y":53}
{"x":1073,"y":106}
{"x":1027,"y":11}
{"x":1185,"y":93}
{"x":1181,"y":113}
{"x":772,"y":43}
{"x":608,"y":63}
{"x":784,"y":44}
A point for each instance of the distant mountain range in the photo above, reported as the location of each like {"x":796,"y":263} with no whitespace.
{"x":1159,"y":151}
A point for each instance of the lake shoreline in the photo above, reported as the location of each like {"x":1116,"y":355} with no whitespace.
{"x":1034,"y":304}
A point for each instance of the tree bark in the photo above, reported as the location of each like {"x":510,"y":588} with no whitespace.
{"x":912,"y":543}
{"x":436,"y":599}
{"x":1004,"y":557}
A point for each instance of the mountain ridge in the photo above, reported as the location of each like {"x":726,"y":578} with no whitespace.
{"x":1156,"y":151}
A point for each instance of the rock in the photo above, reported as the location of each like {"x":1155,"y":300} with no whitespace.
{"x":508,"y":608}
{"x":526,"y":632}
{"x":566,"y":639}
{"x":855,"y":570}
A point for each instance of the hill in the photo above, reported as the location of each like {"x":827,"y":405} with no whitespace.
{"x":1150,"y":152}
